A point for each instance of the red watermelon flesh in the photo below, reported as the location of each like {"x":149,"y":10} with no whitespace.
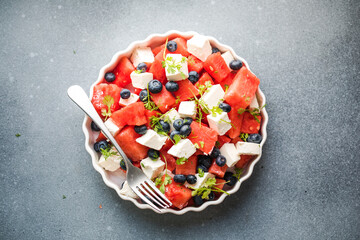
{"x":164,"y":100}
{"x":157,"y":49}
{"x":149,"y":114}
{"x":243,"y":89}
{"x":133,"y":114}
{"x":205,"y":77}
{"x":203,"y":136}
{"x":244,"y":159}
{"x":102,"y":90}
{"x":126,"y":139}
{"x":177,"y":194}
{"x":249,"y":124}
{"x":170,"y":160}
{"x":123,"y":71}
{"x":218,"y":171}
{"x":101,"y":137}
{"x":195,"y":64}
{"x":236,"y":120}
{"x":156,"y":68}
{"x":216,"y":66}
{"x":189,"y":167}
{"x":228,"y":81}
{"x":222,"y":140}
{"x":186,"y":90}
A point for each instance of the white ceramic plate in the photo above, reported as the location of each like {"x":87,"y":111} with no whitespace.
{"x":115,"y":179}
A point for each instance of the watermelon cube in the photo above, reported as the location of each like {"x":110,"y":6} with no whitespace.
{"x":126,"y":140}
{"x":189,"y":167}
{"x":156,"y":68}
{"x":249,"y":123}
{"x":178,"y":194}
{"x":244,"y":159}
{"x":102,"y":90}
{"x":222,"y":140}
{"x":164,"y":100}
{"x":228,"y":81}
{"x":218,"y":171}
{"x":205,"y":77}
{"x":243,"y":89}
{"x":195,"y":64}
{"x":122,"y":72}
{"x":186,"y":90}
{"x":203,"y":136}
{"x":133,"y":114}
{"x":236,"y":120}
{"x":216,"y":66}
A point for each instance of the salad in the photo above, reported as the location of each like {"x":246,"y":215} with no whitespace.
{"x":185,"y":113}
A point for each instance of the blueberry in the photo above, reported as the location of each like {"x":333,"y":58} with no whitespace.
{"x":230,"y":178}
{"x":110,"y":77}
{"x":165,"y":126}
{"x":172,"y":86}
{"x":153,"y":154}
{"x":100,"y":145}
{"x":142,"y":67}
{"x":122,"y":165}
{"x":155,"y":86}
{"x":193,"y":77}
{"x":235,"y":64}
{"x":215,"y":152}
{"x":185,"y":130}
{"x":140,"y":129}
{"x":254,"y":138}
{"x":204,"y":160}
{"x":125,"y":93}
{"x":198,"y":201}
{"x":202,"y":167}
{"x":173,"y":133}
{"x":179,"y":178}
{"x":178,"y":123}
{"x":171,"y":46}
{"x":94,"y":127}
{"x":191,"y":179}
{"x":143,"y":95}
{"x":188,"y":121}
{"x":220,"y":160}
{"x":211,"y":196}
{"x":215,"y":50}
{"x":225,"y":107}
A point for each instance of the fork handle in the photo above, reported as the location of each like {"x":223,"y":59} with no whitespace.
{"x":78,"y":95}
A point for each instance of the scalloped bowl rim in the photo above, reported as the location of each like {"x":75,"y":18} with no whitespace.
{"x":87,"y":130}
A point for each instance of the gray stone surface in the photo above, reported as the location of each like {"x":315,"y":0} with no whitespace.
{"x":306,"y":54}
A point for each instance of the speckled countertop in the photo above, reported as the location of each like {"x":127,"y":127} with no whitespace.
{"x":307,"y":55}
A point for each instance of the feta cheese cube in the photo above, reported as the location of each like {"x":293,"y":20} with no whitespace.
{"x":141,"y":80}
{"x":152,"y":168}
{"x":213,"y":96}
{"x":111,"y":126}
{"x":187,"y":109}
{"x":200,"y":180}
{"x":174,"y":73}
{"x":127,"y":191}
{"x":228,"y":57}
{"x":246,"y":148}
{"x":199,"y":46}
{"x":152,"y":140}
{"x":229,"y":151}
{"x":184,"y":148}
{"x":220,"y":123}
{"x":142,"y":54}
{"x":254,"y":103}
{"x":133,"y":98}
{"x":111,"y":163}
{"x":171,"y":116}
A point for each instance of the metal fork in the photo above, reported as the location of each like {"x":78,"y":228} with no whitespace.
{"x":138,"y":182}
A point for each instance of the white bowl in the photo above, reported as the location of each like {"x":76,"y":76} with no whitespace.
{"x":115,"y":179}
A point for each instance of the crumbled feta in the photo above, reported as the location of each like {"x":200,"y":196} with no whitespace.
{"x":178,"y":68}
{"x":111,"y":126}
{"x":229,"y":151}
{"x":199,"y":46}
{"x":111,"y":163}
{"x":213,"y":96}
{"x":184,"y":148}
{"x":127,"y":191}
{"x":133,"y":98}
{"x":187,"y":109}
{"x":220,"y":122}
{"x":152,"y":168}
{"x":200,"y":180}
{"x":254,"y":103}
{"x":246,"y":148}
{"x":152,"y":140}
{"x":228,"y":57}
{"x":142,"y":54}
{"x":171,"y":116}
{"x":141,"y":80}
